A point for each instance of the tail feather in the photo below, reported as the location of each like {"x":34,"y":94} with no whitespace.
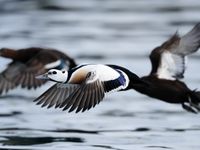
{"x":195,"y":97}
{"x":197,"y":93}
{"x":194,"y":100}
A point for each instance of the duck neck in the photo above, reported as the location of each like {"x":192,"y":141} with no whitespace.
{"x":133,"y":78}
{"x":138,"y":84}
{"x":135,"y":82}
{"x":72,"y":63}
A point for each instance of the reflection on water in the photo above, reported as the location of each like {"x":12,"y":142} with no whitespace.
{"x":98,"y":31}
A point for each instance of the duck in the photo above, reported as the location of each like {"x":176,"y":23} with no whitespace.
{"x":168,"y":63}
{"x":27,"y":63}
{"x":84,"y":86}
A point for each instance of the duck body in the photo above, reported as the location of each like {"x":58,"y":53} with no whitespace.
{"x":166,"y":90}
{"x":43,"y":55}
{"x":29,"y":62}
{"x":168,"y":67}
{"x":84,"y":86}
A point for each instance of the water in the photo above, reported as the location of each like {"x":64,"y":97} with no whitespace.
{"x":98,"y":31}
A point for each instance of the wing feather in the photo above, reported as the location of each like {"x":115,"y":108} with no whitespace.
{"x":86,"y":96}
{"x":78,"y":97}
{"x":62,"y":96}
{"x":5,"y":84}
{"x":87,"y":101}
{"x":168,"y":60}
{"x":52,"y":96}
{"x":74,"y":101}
{"x":190,"y":42}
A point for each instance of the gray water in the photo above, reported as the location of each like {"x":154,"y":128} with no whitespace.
{"x":121,"y":32}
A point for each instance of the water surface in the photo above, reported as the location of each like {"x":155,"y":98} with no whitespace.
{"x":98,"y":31}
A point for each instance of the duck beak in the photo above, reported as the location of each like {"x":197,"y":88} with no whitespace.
{"x":42,"y":76}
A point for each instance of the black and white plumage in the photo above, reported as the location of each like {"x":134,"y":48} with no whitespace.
{"x":172,"y":54}
{"x":29,"y":62}
{"x":168,"y":66}
{"x":83,"y":87}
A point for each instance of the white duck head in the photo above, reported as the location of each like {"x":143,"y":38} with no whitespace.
{"x":55,"y":75}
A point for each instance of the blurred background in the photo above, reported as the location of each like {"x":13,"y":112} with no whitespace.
{"x":121,"y":32}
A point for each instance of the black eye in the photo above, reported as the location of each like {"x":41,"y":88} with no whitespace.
{"x":63,"y":71}
{"x":54,"y":72}
{"x":49,"y":73}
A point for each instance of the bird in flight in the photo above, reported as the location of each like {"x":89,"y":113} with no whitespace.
{"x":168,"y":66}
{"x":84,"y":86}
{"x":29,"y":62}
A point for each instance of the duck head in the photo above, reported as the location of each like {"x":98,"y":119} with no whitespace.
{"x":55,"y":75}
{"x":5,"y":51}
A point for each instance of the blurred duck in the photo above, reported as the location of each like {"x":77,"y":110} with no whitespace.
{"x":29,"y":62}
{"x":168,"y":67}
{"x":84,"y":86}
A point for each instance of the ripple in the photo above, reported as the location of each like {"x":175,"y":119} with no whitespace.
{"x":106,"y":147}
{"x":160,"y":147}
{"x":58,"y":130}
{"x":182,"y":22}
{"x":119,"y":113}
{"x":142,"y":129}
{"x":75,"y":131}
{"x":11,"y":114}
{"x":116,"y":32}
{"x":16,"y":140}
{"x":182,"y":129}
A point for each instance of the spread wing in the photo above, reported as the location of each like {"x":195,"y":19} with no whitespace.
{"x":90,"y":93}
{"x":26,"y":77}
{"x":23,"y":74}
{"x":77,"y":96}
{"x":55,"y":95}
{"x":5,"y":84}
{"x":168,"y":60}
{"x":81,"y":95}
{"x":18,"y":73}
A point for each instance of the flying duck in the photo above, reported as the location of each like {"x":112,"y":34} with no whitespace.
{"x":29,"y":62}
{"x":84,"y":86}
{"x":168,"y":66}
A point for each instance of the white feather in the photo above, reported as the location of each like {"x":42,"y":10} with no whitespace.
{"x":103,"y":72}
{"x":167,"y":66}
{"x":106,"y":73}
{"x":172,"y":66}
{"x":60,"y":76}
{"x":53,"y":64}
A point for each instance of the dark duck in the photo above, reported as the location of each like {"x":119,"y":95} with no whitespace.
{"x":168,"y":67}
{"x":29,"y":62}
{"x":84,"y":86}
